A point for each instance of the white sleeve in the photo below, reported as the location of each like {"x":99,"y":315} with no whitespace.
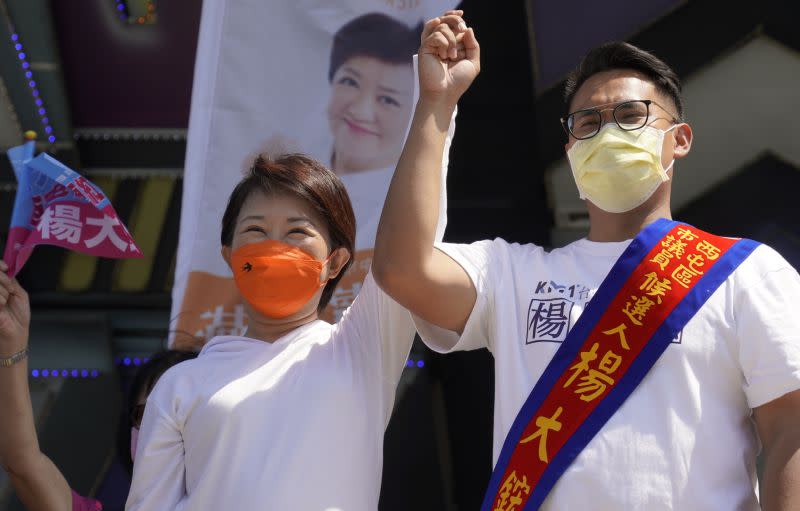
{"x":159,"y":473}
{"x":476,"y":259}
{"x":381,"y":332}
{"x":768,"y":328}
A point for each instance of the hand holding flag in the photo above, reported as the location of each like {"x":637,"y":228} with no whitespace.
{"x":55,"y":205}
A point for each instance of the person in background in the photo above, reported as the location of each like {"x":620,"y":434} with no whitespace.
{"x":718,"y":377}
{"x":39,"y":484}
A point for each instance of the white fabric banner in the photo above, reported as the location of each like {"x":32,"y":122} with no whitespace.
{"x":330,"y":78}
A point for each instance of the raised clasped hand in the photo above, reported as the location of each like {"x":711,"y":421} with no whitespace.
{"x":449,"y":58}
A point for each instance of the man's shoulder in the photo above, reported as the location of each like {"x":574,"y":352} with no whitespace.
{"x":497,"y":247}
{"x":767,"y":255}
{"x":762,"y":261}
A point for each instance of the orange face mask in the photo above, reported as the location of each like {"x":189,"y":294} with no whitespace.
{"x":276,"y":279}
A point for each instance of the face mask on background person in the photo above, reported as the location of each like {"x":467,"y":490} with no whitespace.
{"x":618,"y":170}
{"x":275,"y":278}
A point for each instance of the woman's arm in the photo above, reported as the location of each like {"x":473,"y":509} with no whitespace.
{"x":159,"y":472}
{"x":38,"y":483}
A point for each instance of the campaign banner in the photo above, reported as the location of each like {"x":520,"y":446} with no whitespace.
{"x":333,"y":79}
{"x":55,"y":205}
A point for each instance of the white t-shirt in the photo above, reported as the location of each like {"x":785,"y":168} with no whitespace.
{"x":684,"y":439}
{"x":296,"y":424}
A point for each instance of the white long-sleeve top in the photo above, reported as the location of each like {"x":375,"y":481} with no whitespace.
{"x":296,"y":424}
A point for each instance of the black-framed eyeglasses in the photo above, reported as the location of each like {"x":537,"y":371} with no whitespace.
{"x":136,"y":415}
{"x":629,"y":116}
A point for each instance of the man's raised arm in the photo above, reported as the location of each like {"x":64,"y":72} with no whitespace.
{"x":406,"y":264}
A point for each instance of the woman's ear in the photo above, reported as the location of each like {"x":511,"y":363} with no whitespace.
{"x":226,"y":255}
{"x":339,"y":259}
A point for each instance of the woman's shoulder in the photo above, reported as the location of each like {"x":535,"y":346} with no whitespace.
{"x":175,"y":381}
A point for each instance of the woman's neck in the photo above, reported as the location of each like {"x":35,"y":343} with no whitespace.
{"x":270,"y":330}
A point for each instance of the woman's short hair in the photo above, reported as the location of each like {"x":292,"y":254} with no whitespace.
{"x":307,"y":179}
{"x":374,"y":35}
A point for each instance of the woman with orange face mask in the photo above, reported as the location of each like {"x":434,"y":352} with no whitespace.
{"x":291,"y":415}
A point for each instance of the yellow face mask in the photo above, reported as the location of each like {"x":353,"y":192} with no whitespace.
{"x":619,"y":170}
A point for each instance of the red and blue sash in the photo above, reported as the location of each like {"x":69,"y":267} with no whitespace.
{"x":656,"y":286}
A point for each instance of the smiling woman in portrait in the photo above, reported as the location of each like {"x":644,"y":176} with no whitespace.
{"x":372,"y":91}
{"x":371,"y":76}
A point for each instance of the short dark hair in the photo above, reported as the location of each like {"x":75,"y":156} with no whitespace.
{"x":621,"y":55}
{"x":143,"y":382}
{"x":374,"y":35}
{"x":309,"y":180}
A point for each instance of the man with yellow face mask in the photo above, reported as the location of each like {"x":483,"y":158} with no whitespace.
{"x":640,"y":368}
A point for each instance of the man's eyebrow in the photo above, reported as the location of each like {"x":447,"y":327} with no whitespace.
{"x":599,"y":105}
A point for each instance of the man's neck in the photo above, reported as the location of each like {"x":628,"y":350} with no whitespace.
{"x":605,"y":227}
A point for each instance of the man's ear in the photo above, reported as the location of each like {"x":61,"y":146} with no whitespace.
{"x":226,"y":255}
{"x":339,"y":259}
{"x":683,"y":140}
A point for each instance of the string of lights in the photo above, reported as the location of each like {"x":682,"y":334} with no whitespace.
{"x":29,"y":78}
{"x":85,"y":373}
{"x":65,"y":373}
{"x":131,"y":361}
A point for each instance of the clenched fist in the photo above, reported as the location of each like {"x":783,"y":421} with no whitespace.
{"x":449,"y":58}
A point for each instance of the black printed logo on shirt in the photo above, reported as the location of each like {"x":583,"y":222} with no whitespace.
{"x":548,"y":320}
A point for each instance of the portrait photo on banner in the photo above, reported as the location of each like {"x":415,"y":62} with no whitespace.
{"x":348,"y":105}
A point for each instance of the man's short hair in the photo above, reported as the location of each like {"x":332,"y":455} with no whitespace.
{"x":622,"y":55}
